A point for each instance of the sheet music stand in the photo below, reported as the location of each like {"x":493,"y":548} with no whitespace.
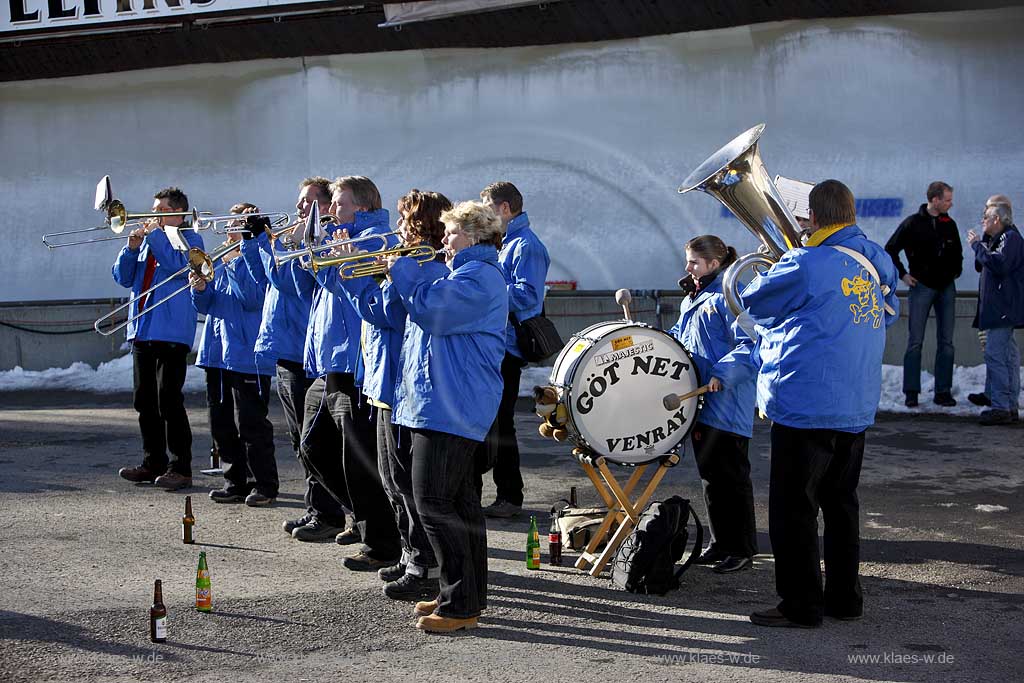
{"x":616,"y":497}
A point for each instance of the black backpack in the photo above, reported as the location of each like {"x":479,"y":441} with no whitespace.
{"x":646,"y":560}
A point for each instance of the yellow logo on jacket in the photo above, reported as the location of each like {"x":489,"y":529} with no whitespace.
{"x":863,"y":288}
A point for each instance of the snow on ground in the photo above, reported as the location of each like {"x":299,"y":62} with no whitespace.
{"x":108,"y":378}
{"x":116,"y":376}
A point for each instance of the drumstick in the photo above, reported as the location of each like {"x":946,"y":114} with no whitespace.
{"x":622,"y":298}
{"x":673,"y":401}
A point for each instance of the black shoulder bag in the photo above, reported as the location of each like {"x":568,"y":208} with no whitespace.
{"x":536,"y":337}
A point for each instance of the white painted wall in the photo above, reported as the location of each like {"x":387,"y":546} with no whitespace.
{"x":597,"y":136}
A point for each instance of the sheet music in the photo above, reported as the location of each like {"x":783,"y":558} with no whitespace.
{"x":794,"y":193}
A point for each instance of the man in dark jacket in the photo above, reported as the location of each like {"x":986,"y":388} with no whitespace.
{"x":935,"y":260}
{"x":1000,"y":309}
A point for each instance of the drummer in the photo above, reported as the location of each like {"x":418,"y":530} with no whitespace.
{"x":723,"y":428}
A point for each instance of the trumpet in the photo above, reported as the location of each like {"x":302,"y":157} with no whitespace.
{"x":199,"y":262}
{"x":307,"y":256}
{"x":357,"y":266}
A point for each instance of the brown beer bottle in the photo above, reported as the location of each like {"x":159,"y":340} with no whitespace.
{"x":214,"y":458}
{"x":187,"y":522}
{"x":158,"y":615}
{"x":573,"y":503}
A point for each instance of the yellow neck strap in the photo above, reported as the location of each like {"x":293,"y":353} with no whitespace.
{"x":823,"y":234}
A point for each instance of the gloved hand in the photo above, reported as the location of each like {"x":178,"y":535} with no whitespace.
{"x":255,"y":226}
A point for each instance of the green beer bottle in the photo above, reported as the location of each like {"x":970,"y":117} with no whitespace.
{"x":204,"y":598}
{"x":533,"y":545}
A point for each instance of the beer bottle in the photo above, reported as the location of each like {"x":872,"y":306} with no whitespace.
{"x":204,"y":597}
{"x":533,"y":545}
{"x":158,"y":615}
{"x":572,"y":497}
{"x":187,"y":522}
{"x":214,"y":458}
{"x":554,"y":542}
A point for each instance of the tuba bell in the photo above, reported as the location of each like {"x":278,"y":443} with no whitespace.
{"x":736,"y":176}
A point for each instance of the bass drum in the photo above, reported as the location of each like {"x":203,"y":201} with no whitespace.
{"x":612,"y":377}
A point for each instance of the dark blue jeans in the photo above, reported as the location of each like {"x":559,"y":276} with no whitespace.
{"x":444,"y":487}
{"x":920,"y":301}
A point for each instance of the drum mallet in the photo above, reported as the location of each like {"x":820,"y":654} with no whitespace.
{"x":673,"y":401}
{"x":622,"y":298}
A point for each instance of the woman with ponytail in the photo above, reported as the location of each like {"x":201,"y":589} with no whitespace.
{"x":722,"y":433}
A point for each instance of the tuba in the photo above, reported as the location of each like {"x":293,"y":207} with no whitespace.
{"x":735,"y":176}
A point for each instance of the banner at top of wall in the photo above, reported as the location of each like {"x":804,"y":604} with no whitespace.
{"x":71,"y":15}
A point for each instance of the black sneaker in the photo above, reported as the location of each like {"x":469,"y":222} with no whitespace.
{"x":361,"y":562}
{"x":392,"y":573}
{"x":911,"y":401}
{"x":945,"y":399}
{"x":710,"y":556}
{"x":291,"y":525}
{"x":226,"y":495}
{"x":315,"y":532}
{"x":409,"y":587}
{"x":980,"y":399}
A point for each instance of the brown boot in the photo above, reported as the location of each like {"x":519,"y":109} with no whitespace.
{"x":425,"y":609}
{"x":172,"y":481}
{"x":139,"y":475}
{"x":435,"y":623}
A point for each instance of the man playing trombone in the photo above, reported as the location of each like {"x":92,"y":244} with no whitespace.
{"x":160,"y":339}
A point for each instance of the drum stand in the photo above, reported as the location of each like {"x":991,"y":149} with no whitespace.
{"x":620,"y":509}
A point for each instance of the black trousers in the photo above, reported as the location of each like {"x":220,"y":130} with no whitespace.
{"x":246,"y":449}
{"x":444,"y":487}
{"x":500,"y":447}
{"x":159,"y":375}
{"x":724,"y":470}
{"x":292,"y":385}
{"x":339,"y":449}
{"x":816,"y":469}
{"x":394,"y":459}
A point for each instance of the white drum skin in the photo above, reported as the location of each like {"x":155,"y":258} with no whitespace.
{"x":612,"y":378}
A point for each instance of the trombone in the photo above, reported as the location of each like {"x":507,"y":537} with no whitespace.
{"x":276,"y":218}
{"x":199,"y":262}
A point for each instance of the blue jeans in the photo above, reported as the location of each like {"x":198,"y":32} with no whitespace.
{"x":1002,"y":369}
{"x":920,"y":300}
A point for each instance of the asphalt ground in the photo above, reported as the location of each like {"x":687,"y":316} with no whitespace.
{"x":942,"y":573}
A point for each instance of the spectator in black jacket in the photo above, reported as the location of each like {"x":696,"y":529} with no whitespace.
{"x":935,"y":258}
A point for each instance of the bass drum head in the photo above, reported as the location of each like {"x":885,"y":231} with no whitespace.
{"x":619,"y":374}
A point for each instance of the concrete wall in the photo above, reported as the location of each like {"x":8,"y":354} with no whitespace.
{"x":598,"y":136}
{"x":571,"y":312}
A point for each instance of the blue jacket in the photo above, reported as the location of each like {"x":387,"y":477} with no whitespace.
{"x":174,"y":321}
{"x":450,"y":375}
{"x":286,"y":306}
{"x":384,"y":318}
{"x":705,"y":329}
{"x":524,"y":260}
{"x":333,"y":333}
{"x":820,"y":319}
{"x":1001,"y":285}
{"x":232,"y":304}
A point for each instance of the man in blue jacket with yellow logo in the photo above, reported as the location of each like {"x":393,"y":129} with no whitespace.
{"x":820,"y":314}
{"x":160,"y":341}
